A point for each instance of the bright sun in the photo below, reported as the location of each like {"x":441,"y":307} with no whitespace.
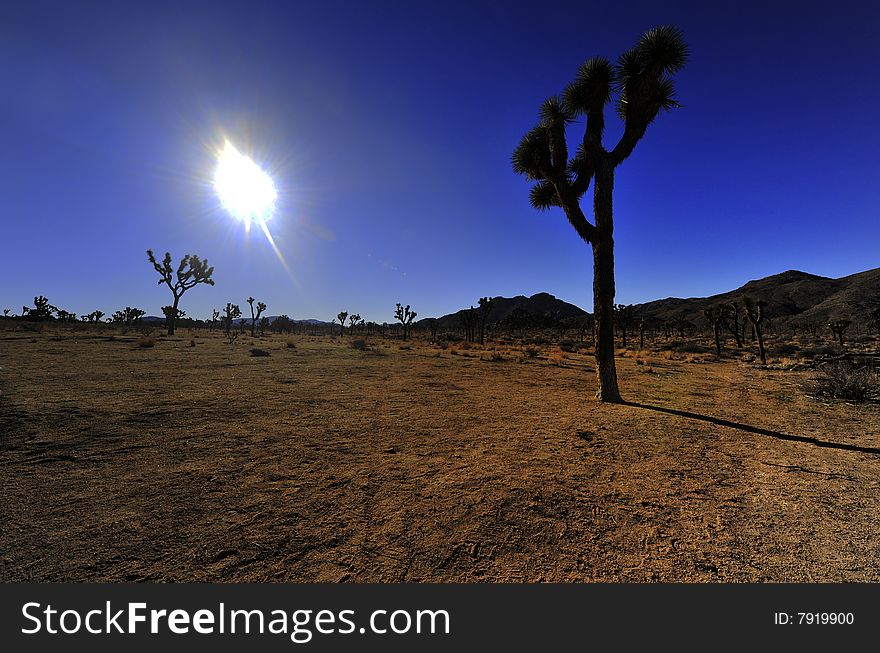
{"x":245,"y":190}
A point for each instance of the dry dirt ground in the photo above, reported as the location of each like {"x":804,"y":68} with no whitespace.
{"x":414,"y":463}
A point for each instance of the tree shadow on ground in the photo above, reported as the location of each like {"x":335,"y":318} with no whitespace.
{"x":754,"y":429}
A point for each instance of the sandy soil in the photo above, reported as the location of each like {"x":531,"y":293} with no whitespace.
{"x":327,"y":463}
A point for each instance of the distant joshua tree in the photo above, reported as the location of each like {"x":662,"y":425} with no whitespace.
{"x":468,"y":319}
{"x":641,"y":80}
{"x":254,"y":317}
{"x":341,"y":316}
{"x":282,"y":323}
{"x":231,"y":312}
{"x":624,"y":314}
{"x":264,"y":324}
{"x":191,"y":272}
{"x":405,"y":316}
{"x":94,"y":316}
{"x":716,"y":316}
{"x":755,"y":314}
{"x":5,"y":312}
{"x":586,"y":325}
{"x":432,"y":325}
{"x":354,"y":321}
{"x":172,"y":315}
{"x":41,"y":311}
{"x":838,"y":328}
{"x":128,"y":316}
{"x":486,"y":306}
{"x":732,"y":321}
{"x":215,"y":314}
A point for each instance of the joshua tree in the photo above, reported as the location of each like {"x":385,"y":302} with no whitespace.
{"x":191,"y":272}
{"x":41,"y":311}
{"x":486,"y":306}
{"x":468,"y":318}
{"x":5,"y":312}
{"x":341,"y":316}
{"x":623,"y":315}
{"x":681,"y":323}
{"x":354,"y":321}
{"x":731,"y":321}
{"x":172,"y":315}
{"x":405,"y":316}
{"x":254,"y":317}
{"x":585,"y":325}
{"x":838,"y":327}
{"x":214,"y":315}
{"x":264,"y":323}
{"x":642,"y":325}
{"x":128,"y":316}
{"x":640,"y":80}
{"x":432,"y":325}
{"x":282,"y":323}
{"x":755,"y":314}
{"x":231,"y":312}
{"x":716,"y":317}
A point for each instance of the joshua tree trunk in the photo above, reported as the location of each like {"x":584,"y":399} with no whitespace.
{"x":761,"y":352}
{"x":172,"y":319}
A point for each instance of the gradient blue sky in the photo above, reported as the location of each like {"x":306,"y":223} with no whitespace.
{"x":388,"y":127}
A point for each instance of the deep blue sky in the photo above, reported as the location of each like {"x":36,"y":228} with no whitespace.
{"x":388,"y":127}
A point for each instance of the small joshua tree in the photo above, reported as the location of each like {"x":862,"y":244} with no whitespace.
{"x":172,"y":315}
{"x":231,"y":312}
{"x":191,"y":272}
{"x":716,"y":316}
{"x":255,"y":316}
{"x":732,"y":322}
{"x":624,"y":315}
{"x":5,"y":312}
{"x":215,"y":314}
{"x":486,"y":306}
{"x":405,"y":316}
{"x":341,"y":316}
{"x":264,"y":324}
{"x":838,"y":328}
{"x":756,"y":315}
{"x":354,"y":321}
{"x":41,"y":311}
{"x":432,"y":325}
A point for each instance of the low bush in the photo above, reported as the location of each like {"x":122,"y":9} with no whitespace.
{"x":843,"y":380}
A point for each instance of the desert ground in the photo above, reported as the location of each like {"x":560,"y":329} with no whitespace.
{"x":191,"y":460}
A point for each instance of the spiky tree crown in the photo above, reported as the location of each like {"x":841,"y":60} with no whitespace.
{"x":191,"y":272}
{"x":641,"y":83}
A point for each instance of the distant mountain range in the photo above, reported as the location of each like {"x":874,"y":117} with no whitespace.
{"x":789,"y":295}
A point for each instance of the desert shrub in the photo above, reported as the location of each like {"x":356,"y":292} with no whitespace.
{"x":535,"y":341}
{"x":146,"y":342}
{"x":192,"y":342}
{"x":465,"y":345}
{"x":783,"y":349}
{"x":443,"y":345}
{"x":359,"y":344}
{"x":532,"y":352}
{"x":690,"y":348}
{"x":291,"y":344}
{"x":405,"y":347}
{"x":815,"y":352}
{"x":640,"y":361}
{"x":495,"y":357}
{"x":843,"y":380}
{"x":567,"y":346}
{"x":259,"y":352}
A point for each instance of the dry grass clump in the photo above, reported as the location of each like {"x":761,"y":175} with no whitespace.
{"x":192,"y":342}
{"x":146,"y":342}
{"x":291,"y":344}
{"x":843,"y":380}
{"x":360,"y":344}
{"x":531,"y":352}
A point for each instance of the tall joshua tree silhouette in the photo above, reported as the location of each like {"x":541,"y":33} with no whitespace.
{"x":641,"y":82}
{"x":191,"y":272}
